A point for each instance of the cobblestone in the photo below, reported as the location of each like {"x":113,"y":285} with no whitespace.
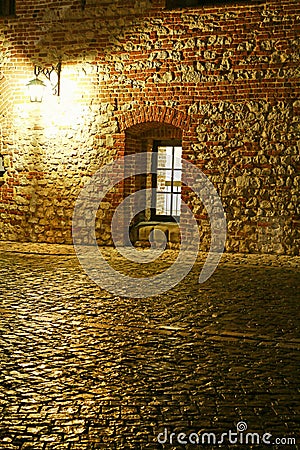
{"x":83,"y":369}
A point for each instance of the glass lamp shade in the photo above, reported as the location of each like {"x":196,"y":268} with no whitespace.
{"x":36,"y":90}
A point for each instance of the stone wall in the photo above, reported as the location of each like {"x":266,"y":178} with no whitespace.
{"x":225,"y":77}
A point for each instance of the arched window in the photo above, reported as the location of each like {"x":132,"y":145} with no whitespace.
{"x":160,"y":208}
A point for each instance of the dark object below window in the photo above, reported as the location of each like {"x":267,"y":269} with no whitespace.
{"x":7,"y":8}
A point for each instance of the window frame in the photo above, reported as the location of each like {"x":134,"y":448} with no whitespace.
{"x":7,"y":8}
{"x":163,"y":143}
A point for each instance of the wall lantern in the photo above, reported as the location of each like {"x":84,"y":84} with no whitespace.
{"x":37,"y":87}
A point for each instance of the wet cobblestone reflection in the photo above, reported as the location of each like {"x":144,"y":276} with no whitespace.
{"x":82,"y":369}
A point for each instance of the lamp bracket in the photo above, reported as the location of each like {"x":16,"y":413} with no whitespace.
{"x":47,"y":72}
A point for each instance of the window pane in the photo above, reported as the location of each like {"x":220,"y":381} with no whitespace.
{"x":176,"y":186}
{"x":163,"y":204}
{"x":177,"y":175}
{"x":164,"y":157}
{"x":177,"y":157}
{"x":164,"y":182}
{"x":176,"y":205}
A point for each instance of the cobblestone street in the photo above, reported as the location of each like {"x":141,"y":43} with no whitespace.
{"x":82,"y":369}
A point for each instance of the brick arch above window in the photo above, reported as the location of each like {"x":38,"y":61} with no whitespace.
{"x":154,"y":114}
{"x":154,"y":130}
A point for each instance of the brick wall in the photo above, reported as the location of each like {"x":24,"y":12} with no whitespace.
{"x":226,"y":77}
